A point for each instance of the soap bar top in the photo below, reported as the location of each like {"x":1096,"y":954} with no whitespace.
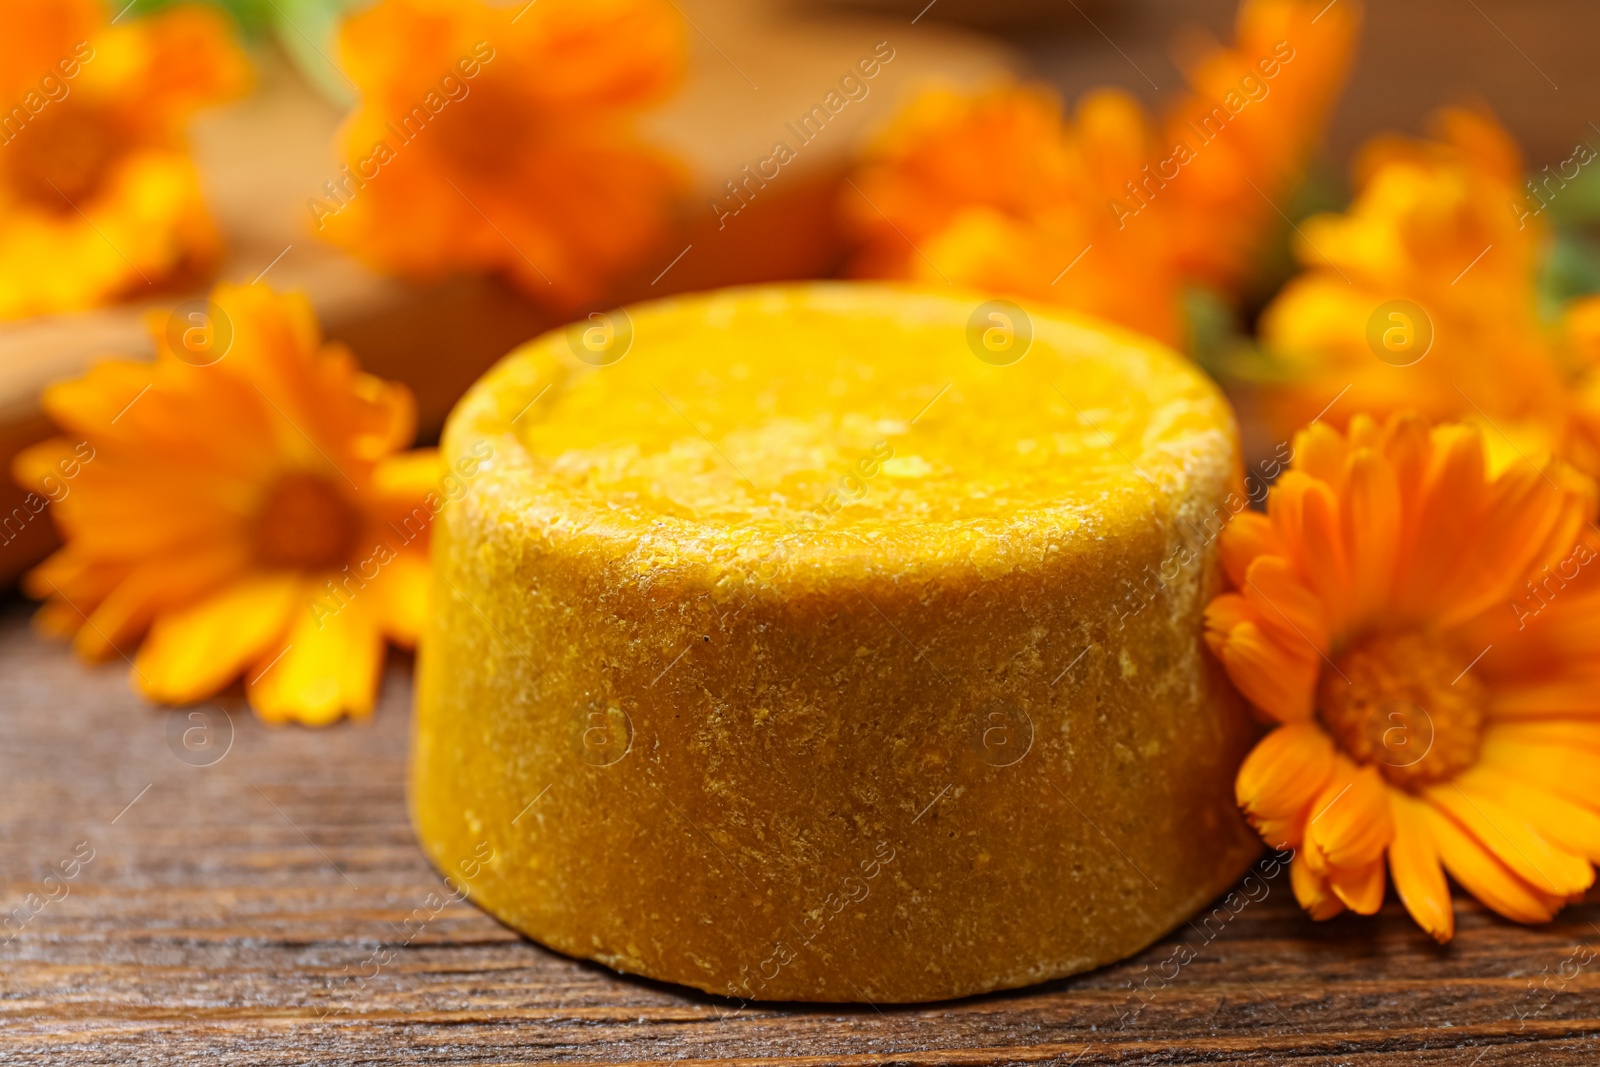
{"x":736,"y":419}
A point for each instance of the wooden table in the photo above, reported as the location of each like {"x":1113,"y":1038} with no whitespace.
{"x":245,"y":906}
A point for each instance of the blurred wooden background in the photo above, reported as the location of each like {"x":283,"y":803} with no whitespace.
{"x":1532,"y":61}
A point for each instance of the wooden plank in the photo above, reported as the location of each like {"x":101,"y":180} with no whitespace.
{"x":239,"y":912}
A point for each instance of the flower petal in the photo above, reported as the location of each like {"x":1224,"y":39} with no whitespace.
{"x":1280,"y":778}
{"x":1320,"y":451}
{"x":1322,"y":557}
{"x":1414,"y":865}
{"x":1566,"y":824}
{"x":1452,"y":498}
{"x":1536,"y":740}
{"x":329,"y":669}
{"x":1248,"y":535}
{"x":1555,"y":757}
{"x":403,"y":480}
{"x":1372,"y":525}
{"x":1271,"y":677}
{"x":1351,"y":823}
{"x":1312,"y":891}
{"x":1360,"y":889}
{"x":1528,"y":522}
{"x":405,"y":590}
{"x":1510,"y":838}
{"x":1283,"y":603}
{"x":1225,"y":611}
{"x":160,"y":583}
{"x":87,"y":405}
{"x":1544,"y":697}
{"x":1482,"y":874}
{"x":192,"y":653}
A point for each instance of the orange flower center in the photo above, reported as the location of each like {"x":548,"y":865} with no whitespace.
{"x":64,"y":156}
{"x":305,"y":523}
{"x":484,"y":134}
{"x":1403,"y":703}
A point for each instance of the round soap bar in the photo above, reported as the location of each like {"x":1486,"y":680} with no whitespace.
{"x":833,"y":642}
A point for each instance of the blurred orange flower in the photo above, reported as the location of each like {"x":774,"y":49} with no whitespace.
{"x":1578,"y":343}
{"x":98,"y":196}
{"x":500,"y":138}
{"x":1000,"y":191}
{"x":1424,"y":634}
{"x":241,"y":504}
{"x":1423,"y":296}
{"x":1283,"y":74}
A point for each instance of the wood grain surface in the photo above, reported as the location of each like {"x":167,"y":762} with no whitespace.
{"x":250,"y":904}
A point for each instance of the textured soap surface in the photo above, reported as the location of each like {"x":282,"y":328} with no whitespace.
{"x":805,"y":643}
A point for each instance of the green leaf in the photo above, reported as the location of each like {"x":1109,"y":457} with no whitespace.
{"x":253,"y":17}
{"x":1571,"y":269}
{"x":307,"y":30}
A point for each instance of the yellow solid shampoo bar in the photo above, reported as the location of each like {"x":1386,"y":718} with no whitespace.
{"x":833,"y":642}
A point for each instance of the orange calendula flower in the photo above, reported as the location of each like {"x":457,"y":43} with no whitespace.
{"x":1250,"y":121}
{"x":242,"y":505}
{"x":1578,"y":341}
{"x":501,"y":138}
{"x":1424,"y":629}
{"x":1002,"y":192}
{"x":1110,"y":211}
{"x":98,"y":196}
{"x":1423,"y":296}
